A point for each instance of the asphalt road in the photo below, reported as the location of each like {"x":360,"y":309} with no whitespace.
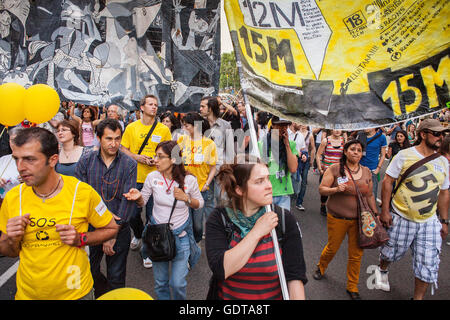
{"x":314,"y":231}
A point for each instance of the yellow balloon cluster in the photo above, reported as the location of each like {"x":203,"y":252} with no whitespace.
{"x":125,"y":294}
{"x":39,"y":103}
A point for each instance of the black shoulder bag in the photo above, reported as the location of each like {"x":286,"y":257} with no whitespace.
{"x":148,"y":136}
{"x":160,"y":240}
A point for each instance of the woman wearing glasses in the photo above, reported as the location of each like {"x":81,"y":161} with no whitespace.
{"x":71,"y":151}
{"x":170,"y":181}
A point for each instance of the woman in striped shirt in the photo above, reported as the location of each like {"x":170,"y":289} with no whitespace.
{"x":242,"y":259}
{"x":329,"y":152}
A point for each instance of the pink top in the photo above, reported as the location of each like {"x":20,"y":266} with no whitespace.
{"x":163,"y":201}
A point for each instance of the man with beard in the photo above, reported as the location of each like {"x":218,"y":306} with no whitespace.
{"x":410,"y":214}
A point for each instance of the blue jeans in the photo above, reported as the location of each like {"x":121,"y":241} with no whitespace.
{"x":136,"y":223}
{"x":303,"y":170}
{"x":283,"y":202}
{"x":296,"y":179}
{"x":116,"y":265}
{"x":198,"y":215}
{"x":172,"y":285}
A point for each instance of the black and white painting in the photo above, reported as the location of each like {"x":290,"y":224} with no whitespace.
{"x":100,"y":52}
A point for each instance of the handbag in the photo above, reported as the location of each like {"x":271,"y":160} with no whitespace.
{"x":160,"y":240}
{"x":371,"y":232}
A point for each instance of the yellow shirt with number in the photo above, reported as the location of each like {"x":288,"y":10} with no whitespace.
{"x":198,"y":157}
{"x":48,"y":268}
{"x":134,"y":136}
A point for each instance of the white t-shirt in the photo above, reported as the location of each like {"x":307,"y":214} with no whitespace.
{"x":163,"y":202}
{"x":298,"y":138}
{"x":10,"y":174}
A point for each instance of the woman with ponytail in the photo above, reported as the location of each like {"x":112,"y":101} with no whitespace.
{"x":168,"y":182}
{"x":238,"y":243}
{"x":342,"y":218}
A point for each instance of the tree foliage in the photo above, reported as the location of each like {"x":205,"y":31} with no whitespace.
{"x":229,"y":75}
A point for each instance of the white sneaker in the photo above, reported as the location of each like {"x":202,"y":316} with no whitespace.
{"x":381,"y":280}
{"x":300,"y":207}
{"x":135,"y":243}
{"x":148,"y":263}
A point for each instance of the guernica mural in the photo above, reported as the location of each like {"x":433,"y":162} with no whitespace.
{"x":115,"y":51}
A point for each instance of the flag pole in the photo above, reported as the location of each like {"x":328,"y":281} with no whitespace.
{"x":255,"y":151}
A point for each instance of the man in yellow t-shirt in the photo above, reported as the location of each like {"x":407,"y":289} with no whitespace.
{"x":45,"y":220}
{"x":132,"y":140}
{"x":412,"y":221}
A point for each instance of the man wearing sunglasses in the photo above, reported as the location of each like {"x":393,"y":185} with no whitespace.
{"x":410,"y":215}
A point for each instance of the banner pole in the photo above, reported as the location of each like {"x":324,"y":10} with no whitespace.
{"x":255,"y":151}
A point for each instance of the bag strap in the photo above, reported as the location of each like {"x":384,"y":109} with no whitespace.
{"x":359,"y":196}
{"x":173,"y":208}
{"x":416,"y":165}
{"x":354,"y":183}
{"x":148,"y":136}
{"x":378,"y":134}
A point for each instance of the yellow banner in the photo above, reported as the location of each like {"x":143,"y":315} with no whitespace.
{"x":348,"y":65}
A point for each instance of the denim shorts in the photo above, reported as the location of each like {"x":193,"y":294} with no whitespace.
{"x":425,"y":241}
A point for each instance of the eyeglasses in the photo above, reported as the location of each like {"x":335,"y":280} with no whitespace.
{"x":434,"y":133}
{"x":62,"y":130}
{"x":160,"y":157}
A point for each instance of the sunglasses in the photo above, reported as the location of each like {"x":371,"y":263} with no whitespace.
{"x":434,"y":133}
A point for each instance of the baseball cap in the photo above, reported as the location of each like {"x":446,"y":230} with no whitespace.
{"x":431,"y":124}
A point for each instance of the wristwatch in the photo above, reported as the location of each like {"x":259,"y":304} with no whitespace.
{"x":83,"y":240}
{"x":446,"y":221}
{"x":189,"y":200}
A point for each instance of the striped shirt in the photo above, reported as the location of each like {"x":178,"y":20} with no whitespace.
{"x":331,"y":154}
{"x":110,"y":182}
{"x":258,"y":279}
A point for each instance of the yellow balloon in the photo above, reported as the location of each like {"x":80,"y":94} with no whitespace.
{"x":11,"y":104}
{"x":41,"y":103}
{"x":125,"y":294}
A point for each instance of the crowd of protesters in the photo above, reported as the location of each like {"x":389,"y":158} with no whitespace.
{"x":89,"y":173}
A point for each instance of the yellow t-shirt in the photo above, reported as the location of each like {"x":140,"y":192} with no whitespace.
{"x":134,"y":136}
{"x":49,"y":269}
{"x":416,"y":198}
{"x":198,"y":156}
